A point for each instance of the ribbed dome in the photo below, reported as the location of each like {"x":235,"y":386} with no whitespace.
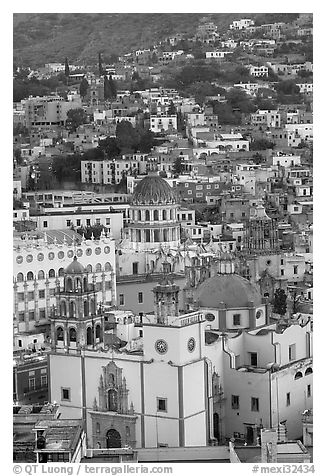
{"x":153,"y":190}
{"x":75,"y":267}
{"x":231,"y":289}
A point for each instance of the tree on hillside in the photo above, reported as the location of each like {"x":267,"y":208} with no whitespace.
{"x":67,"y":71}
{"x":83,"y":87}
{"x":178,"y":166}
{"x":261,"y":144}
{"x":100,"y":67}
{"x":127,"y":137}
{"x":75,"y":118}
{"x":172,"y":109}
{"x":279,"y":302}
{"x":110,"y":146}
{"x":113,"y":87}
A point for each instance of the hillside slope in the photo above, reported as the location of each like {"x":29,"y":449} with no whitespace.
{"x":50,"y":37}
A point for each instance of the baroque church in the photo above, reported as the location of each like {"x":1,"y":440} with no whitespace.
{"x":166,"y":378}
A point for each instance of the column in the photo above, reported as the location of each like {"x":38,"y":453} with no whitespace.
{"x":16,"y":305}
{"x":47,"y":299}
{"x":36,"y":308}
{"x":26,"y":317}
{"x":103,"y":288}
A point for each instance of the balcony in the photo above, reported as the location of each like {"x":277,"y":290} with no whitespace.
{"x":36,"y":388}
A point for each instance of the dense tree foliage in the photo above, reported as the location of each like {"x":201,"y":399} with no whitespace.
{"x":83,"y":87}
{"x":261,"y":144}
{"x":279,"y":302}
{"x":67,"y":167}
{"x":75,"y":118}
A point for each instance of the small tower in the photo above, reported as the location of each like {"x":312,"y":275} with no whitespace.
{"x":166,"y":297}
{"x":77,"y":323}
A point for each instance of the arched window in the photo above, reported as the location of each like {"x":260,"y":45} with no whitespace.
{"x":59,"y":334}
{"x":127,"y":431}
{"x":41,"y":275}
{"x":147,"y":236}
{"x":147,"y":217}
{"x":85,"y":284}
{"x":156,"y":215}
{"x":308,"y":371}
{"x":61,"y":272}
{"x":98,"y":332}
{"x":72,"y":334}
{"x":298,"y":375}
{"x":98,"y":267}
{"x":86,"y":308}
{"x":164,"y":215}
{"x":20,"y":277}
{"x":92,"y":306}
{"x":51,"y":273}
{"x":68,"y":284}
{"x":165,"y":235}
{"x":72,"y":308}
{"x":89,"y":336}
{"x":156,"y":236}
{"x":89,"y":268}
{"x":98,"y":429}
{"x":30,"y":276}
{"x":139,"y":215}
{"x":107,"y":267}
{"x":63,"y":308}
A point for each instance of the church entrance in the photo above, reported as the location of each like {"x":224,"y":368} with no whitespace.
{"x":113,"y":439}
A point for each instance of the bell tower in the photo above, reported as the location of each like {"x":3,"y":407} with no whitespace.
{"x":77,"y":322}
{"x":261,"y":233}
{"x":166,"y":297}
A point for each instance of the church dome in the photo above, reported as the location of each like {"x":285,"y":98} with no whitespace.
{"x":233,"y":290}
{"x":75,"y":267}
{"x":153,"y":190}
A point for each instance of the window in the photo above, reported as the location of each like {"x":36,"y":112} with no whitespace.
{"x":78,"y":222}
{"x":45,"y":224}
{"x":31,"y":383}
{"x":21,"y":316}
{"x":65,"y":394}
{"x":41,"y":293}
{"x":31,"y":315}
{"x":254,"y":404}
{"x":135,"y":268}
{"x":161,"y":404}
{"x":88,"y":222}
{"x":291,"y":352}
{"x":235,"y":402}
{"x":68,"y":222}
{"x":308,"y":391}
{"x":282,"y":262}
{"x":295,"y":269}
{"x":298,"y":375}
{"x":288,"y":399}
{"x":282,"y":272}
{"x":44,"y":380}
{"x":121,"y":299}
{"x":140,"y":298}
{"x":236,"y":319}
{"x":107,"y":221}
{"x":253,"y":359}
{"x":20,"y":297}
{"x":98,"y":221}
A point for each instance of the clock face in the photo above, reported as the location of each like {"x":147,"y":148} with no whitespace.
{"x":191,"y":344}
{"x":161,"y":346}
